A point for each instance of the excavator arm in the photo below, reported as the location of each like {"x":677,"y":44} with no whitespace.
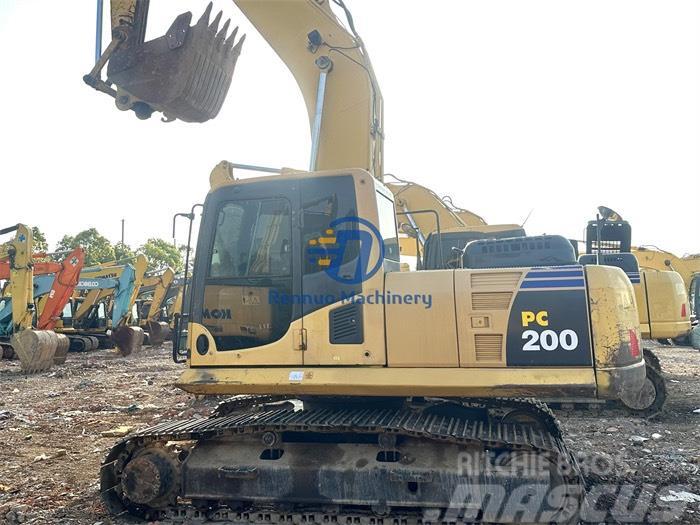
{"x":325,"y":59}
{"x":36,"y":348}
{"x":19,"y":264}
{"x":114,"y":270}
{"x":658,"y":259}
{"x":117,"y":284}
{"x":65,"y":279}
{"x":159,"y":285}
{"x":186,"y":74}
{"x":156,"y":330}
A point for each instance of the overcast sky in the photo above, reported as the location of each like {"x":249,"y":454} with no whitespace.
{"x":509,"y":106}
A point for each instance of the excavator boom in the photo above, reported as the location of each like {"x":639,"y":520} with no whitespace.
{"x":62,"y":288}
{"x":158,"y":285}
{"x":115,"y":285}
{"x":35,"y":348}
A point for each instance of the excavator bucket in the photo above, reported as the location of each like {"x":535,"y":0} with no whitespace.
{"x":128,"y":339}
{"x":158,"y":332}
{"x":185,"y":74}
{"x":35,"y":349}
{"x":62,"y":346}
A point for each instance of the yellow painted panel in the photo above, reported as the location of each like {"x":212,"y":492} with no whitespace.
{"x":381,"y":381}
{"x":484,"y":299}
{"x":421,"y":334}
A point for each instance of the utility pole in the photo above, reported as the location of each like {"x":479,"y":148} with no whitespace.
{"x":122,"y":232}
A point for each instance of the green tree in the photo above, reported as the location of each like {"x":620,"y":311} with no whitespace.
{"x":161,"y":254}
{"x":40,"y":244}
{"x":123,"y":251}
{"x":97,"y":248}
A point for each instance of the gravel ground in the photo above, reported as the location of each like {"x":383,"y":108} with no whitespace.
{"x":52,"y":428}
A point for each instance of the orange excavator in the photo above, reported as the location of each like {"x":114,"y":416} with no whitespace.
{"x":54,"y":284}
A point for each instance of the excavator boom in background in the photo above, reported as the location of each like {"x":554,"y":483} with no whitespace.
{"x":35,"y":348}
{"x":150,"y":306}
{"x":687,"y":266}
{"x":103,"y":310}
{"x":57,"y":287}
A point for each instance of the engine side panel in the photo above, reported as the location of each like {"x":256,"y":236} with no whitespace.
{"x":422,"y":332}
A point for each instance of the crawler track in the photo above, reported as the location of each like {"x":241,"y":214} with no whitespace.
{"x":208,"y":469}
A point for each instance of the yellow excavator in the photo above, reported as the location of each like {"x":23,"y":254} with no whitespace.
{"x":362,"y":393}
{"x":35,"y":348}
{"x":102,"y":307}
{"x":662,"y":310}
{"x":688,"y":266}
{"x":662,"y":300}
{"x":150,"y":304}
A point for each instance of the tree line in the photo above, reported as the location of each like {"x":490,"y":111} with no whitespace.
{"x":98,"y":249}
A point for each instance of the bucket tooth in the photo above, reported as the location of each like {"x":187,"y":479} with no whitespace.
{"x":237,"y":48}
{"x":35,"y":349}
{"x":228,"y":45}
{"x":204,"y":19}
{"x":128,"y":339}
{"x":215,"y":24}
{"x":221,"y":36}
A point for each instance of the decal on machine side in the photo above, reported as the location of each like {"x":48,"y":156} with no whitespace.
{"x":548,"y":323}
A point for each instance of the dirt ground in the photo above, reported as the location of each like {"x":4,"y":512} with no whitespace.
{"x":52,"y":425}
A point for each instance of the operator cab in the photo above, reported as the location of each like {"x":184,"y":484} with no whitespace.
{"x":276,"y":249}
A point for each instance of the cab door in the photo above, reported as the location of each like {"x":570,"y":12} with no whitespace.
{"x":247,"y":275}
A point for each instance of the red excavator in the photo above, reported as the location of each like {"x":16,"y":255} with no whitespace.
{"x":54,"y":290}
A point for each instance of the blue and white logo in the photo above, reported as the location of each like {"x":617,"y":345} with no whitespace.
{"x":329,"y":250}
